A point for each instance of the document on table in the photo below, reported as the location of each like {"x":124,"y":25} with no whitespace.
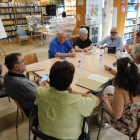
{"x":35,"y":68}
{"x":93,"y":81}
{"x":110,"y":65}
{"x":99,"y":51}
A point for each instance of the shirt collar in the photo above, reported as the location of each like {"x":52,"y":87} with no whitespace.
{"x":58,"y":91}
{"x":114,"y":38}
{"x":16,"y":75}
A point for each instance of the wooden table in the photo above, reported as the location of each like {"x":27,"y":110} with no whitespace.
{"x":90,"y":64}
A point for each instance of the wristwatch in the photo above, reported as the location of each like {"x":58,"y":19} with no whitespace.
{"x":110,"y":69}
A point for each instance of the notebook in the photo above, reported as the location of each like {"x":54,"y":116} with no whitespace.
{"x":93,"y":81}
{"x":35,"y":68}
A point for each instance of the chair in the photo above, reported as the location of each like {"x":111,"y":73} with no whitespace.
{"x":30,"y":59}
{"x":76,"y":33}
{"x":5,"y":95}
{"x":23,"y":114}
{"x":21,"y":35}
{"x":134,"y":135}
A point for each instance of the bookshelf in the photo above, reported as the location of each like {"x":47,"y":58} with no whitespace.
{"x":70,"y":7}
{"x":13,"y":15}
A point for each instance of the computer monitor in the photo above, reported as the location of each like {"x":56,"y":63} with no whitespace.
{"x":51,"y":10}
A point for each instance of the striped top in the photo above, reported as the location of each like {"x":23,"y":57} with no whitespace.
{"x":61,"y":113}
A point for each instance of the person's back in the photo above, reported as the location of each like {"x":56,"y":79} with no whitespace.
{"x":60,"y":109}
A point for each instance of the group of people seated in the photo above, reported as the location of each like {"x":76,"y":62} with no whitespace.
{"x":60,"y":109}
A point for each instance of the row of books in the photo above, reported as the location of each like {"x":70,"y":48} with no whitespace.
{"x":11,"y":33}
{"x":21,"y":21}
{"x":8,"y":4}
{"x":36,"y":3}
{"x":22,"y":15}
{"x":23,"y":10}
{"x":38,"y":9}
{"x":36,"y":13}
{"x":25,"y":27}
{"x":8,"y":16}
{"x":9,"y":28}
{"x":7,"y":40}
{"x":7,"y":10}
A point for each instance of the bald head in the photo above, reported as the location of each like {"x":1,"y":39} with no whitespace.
{"x":61,"y":37}
{"x":61,"y":33}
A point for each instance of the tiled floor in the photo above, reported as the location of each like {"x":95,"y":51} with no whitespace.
{"x":8,"y":109}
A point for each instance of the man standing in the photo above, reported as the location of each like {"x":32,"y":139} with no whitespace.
{"x":112,"y":40}
{"x":17,"y":86}
{"x":60,"y":47}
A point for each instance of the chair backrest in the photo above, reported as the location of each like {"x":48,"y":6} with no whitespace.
{"x":44,"y":29}
{"x":21,"y":32}
{"x":19,"y":106}
{"x":76,"y":31}
{"x":31,"y":58}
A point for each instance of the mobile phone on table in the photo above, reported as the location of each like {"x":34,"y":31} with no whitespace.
{"x":45,"y":77}
{"x":62,"y":57}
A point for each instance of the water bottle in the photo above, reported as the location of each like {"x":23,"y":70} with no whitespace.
{"x":67,"y":58}
{"x":101,"y":61}
{"x":80,"y":56}
{"x":106,"y":50}
{"x":93,"y":50}
{"x":79,"y":67}
{"x":118,"y":54}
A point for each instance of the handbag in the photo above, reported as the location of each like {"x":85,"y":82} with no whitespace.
{"x":84,"y":135}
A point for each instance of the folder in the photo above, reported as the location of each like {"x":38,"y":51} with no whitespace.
{"x":92,"y":82}
{"x":35,"y":68}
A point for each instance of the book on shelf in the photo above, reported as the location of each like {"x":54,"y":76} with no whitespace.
{"x":21,"y":21}
{"x":22,"y":15}
{"x":23,"y":10}
{"x":25,"y":27}
{"x":8,"y":4}
{"x":8,"y":16}
{"x":26,"y":4}
{"x":6,"y":10}
{"x":7,"y":40}
{"x":9,"y":28}
{"x":38,"y":9}
{"x":11,"y":33}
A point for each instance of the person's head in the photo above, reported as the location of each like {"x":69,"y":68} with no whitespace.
{"x":61,"y":37}
{"x":15,"y":62}
{"x":83,"y":34}
{"x":127,"y":76}
{"x":61,"y":75}
{"x":114,"y":32}
{"x":138,"y":36}
{"x":135,"y":53}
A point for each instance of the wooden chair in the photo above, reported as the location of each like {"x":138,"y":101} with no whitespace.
{"x":23,"y":114}
{"x":134,"y":135}
{"x":76,"y":33}
{"x":30,"y":59}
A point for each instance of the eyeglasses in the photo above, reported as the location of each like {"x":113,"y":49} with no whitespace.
{"x":23,"y":61}
{"x":113,"y":32}
{"x":63,"y":37}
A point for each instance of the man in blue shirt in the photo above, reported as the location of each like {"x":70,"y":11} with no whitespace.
{"x":60,"y":47}
{"x":112,"y":40}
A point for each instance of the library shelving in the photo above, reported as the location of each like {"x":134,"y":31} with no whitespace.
{"x":70,"y":7}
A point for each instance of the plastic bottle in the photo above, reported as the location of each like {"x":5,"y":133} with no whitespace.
{"x":106,"y":50}
{"x":93,"y":50}
{"x":67,"y":58}
{"x":118,"y":54}
{"x":80,"y":56}
{"x":79,"y":67}
{"x":101,"y":61}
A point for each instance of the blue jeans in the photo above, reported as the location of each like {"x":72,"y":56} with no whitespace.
{"x":34,"y":112}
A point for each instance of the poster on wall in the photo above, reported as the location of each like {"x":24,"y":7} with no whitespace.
{"x":34,"y":22}
{"x":2,"y":31}
{"x":80,"y":2}
{"x":94,"y":10}
{"x":123,"y":5}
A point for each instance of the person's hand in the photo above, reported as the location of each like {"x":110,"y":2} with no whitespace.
{"x":103,"y":47}
{"x":114,"y":64}
{"x":126,"y":46}
{"x":88,"y":49}
{"x":105,"y":98}
{"x":71,"y":55}
{"x":38,"y":80}
{"x":69,"y":89}
{"x":107,"y":67}
{"x":43,"y":83}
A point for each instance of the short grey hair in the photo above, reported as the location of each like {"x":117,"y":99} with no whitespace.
{"x":136,"y":51}
{"x":114,"y":28}
{"x":83,"y":31}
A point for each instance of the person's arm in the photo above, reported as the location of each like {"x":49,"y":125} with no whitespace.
{"x":112,"y":71}
{"x":116,"y":109}
{"x":101,"y":43}
{"x":84,"y":95}
{"x":126,"y":47}
{"x":64,"y":54}
{"x":121,"y":44}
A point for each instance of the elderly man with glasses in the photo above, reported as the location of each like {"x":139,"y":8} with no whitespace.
{"x":17,"y":86}
{"x":112,"y":40}
{"x":60,"y":46}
